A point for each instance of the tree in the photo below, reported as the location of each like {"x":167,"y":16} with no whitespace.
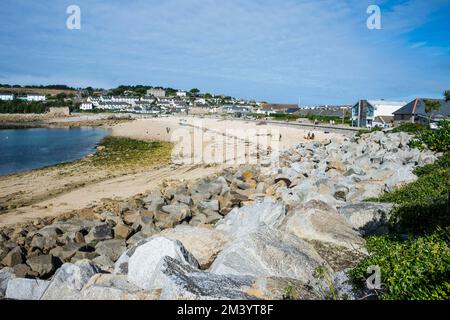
{"x":431,"y":105}
{"x":194,"y":91}
{"x":447,"y":95}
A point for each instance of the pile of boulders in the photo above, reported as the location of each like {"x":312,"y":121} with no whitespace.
{"x":249,"y":232}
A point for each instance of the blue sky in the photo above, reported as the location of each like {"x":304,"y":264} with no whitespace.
{"x":274,"y":50}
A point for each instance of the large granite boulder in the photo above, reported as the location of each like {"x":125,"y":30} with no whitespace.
{"x":316,"y":220}
{"x":368,"y":218}
{"x":111,"y":248}
{"x":242,"y":221}
{"x":142,"y":263}
{"x":6,"y":274}
{"x":271,"y":253}
{"x":69,"y":280}
{"x":114,"y":287}
{"x":178,"y":281}
{"x":26,"y":289}
{"x":204,"y":243}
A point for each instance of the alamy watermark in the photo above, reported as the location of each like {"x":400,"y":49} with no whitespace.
{"x":374,"y":280}
{"x":374,"y":20}
{"x":73,"y":21}
{"x":195,"y":144}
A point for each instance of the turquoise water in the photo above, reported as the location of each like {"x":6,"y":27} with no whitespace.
{"x":26,"y":149}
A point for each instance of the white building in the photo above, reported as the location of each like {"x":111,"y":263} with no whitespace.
{"x":86,"y":106}
{"x":364,"y":112}
{"x":149,"y":99}
{"x":200,"y":101}
{"x":181,"y":93}
{"x":118,"y":106}
{"x":6,"y":96}
{"x":126,"y":99}
{"x":158,"y":93}
{"x":386,"y":108}
{"x":36,"y":97}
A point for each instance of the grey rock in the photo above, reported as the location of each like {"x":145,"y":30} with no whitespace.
{"x":142,"y":263}
{"x":66,"y":252}
{"x":6,"y":274}
{"x":13,"y":257}
{"x":137,"y":237}
{"x":69,"y":280}
{"x":26,"y":289}
{"x":50,"y":231}
{"x":368,"y":218}
{"x":316,"y":220}
{"x":24,"y":271}
{"x":203,"y":243}
{"x":45,"y":243}
{"x":98,"y":233}
{"x":178,"y":212}
{"x":179,"y":281}
{"x":103,"y":261}
{"x":113,"y":287}
{"x":402,"y":176}
{"x":44,"y":265}
{"x":183,"y":198}
{"x":111,"y":248}
{"x":242,"y":221}
{"x":269,"y":252}
{"x":212,"y":205}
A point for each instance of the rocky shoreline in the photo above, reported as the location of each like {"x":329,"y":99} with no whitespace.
{"x":252,"y":232}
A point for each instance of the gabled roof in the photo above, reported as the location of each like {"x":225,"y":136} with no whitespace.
{"x":418,"y":107}
{"x":278,"y":106}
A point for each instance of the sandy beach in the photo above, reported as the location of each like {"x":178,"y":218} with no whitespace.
{"x":57,"y":190}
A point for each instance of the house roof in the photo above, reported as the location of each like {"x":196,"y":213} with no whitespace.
{"x":384,"y":119}
{"x":110,"y":103}
{"x":418,"y":107}
{"x":278,"y":107}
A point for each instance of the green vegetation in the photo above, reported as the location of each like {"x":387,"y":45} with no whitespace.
{"x":290,"y":293}
{"x":20,"y":106}
{"x":322,"y":273}
{"x":422,"y":205}
{"x":284,"y":116}
{"x":447,"y":95}
{"x":293,"y":117}
{"x":412,"y":128}
{"x":436,"y":140}
{"x":431,"y":105}
{"x":365,"y":131}
{"x":417,"y":268}
{"x":125,"y":153}
{"x":53,"y":86}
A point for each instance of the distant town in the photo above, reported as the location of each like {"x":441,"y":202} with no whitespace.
{"x":158,"y":101}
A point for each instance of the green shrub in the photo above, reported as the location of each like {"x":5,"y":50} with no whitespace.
{"x":423,"y":204}
{"x":418,"y":268}
{"x":412,"y":128}
{"x":436,"y":140}
{"x":365,"y":131}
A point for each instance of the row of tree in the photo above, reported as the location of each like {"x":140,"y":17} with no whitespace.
{"x":19,"y":106}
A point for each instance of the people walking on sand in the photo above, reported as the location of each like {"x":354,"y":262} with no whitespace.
{"x":312,"y":136}
{"x":167,"y":130}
